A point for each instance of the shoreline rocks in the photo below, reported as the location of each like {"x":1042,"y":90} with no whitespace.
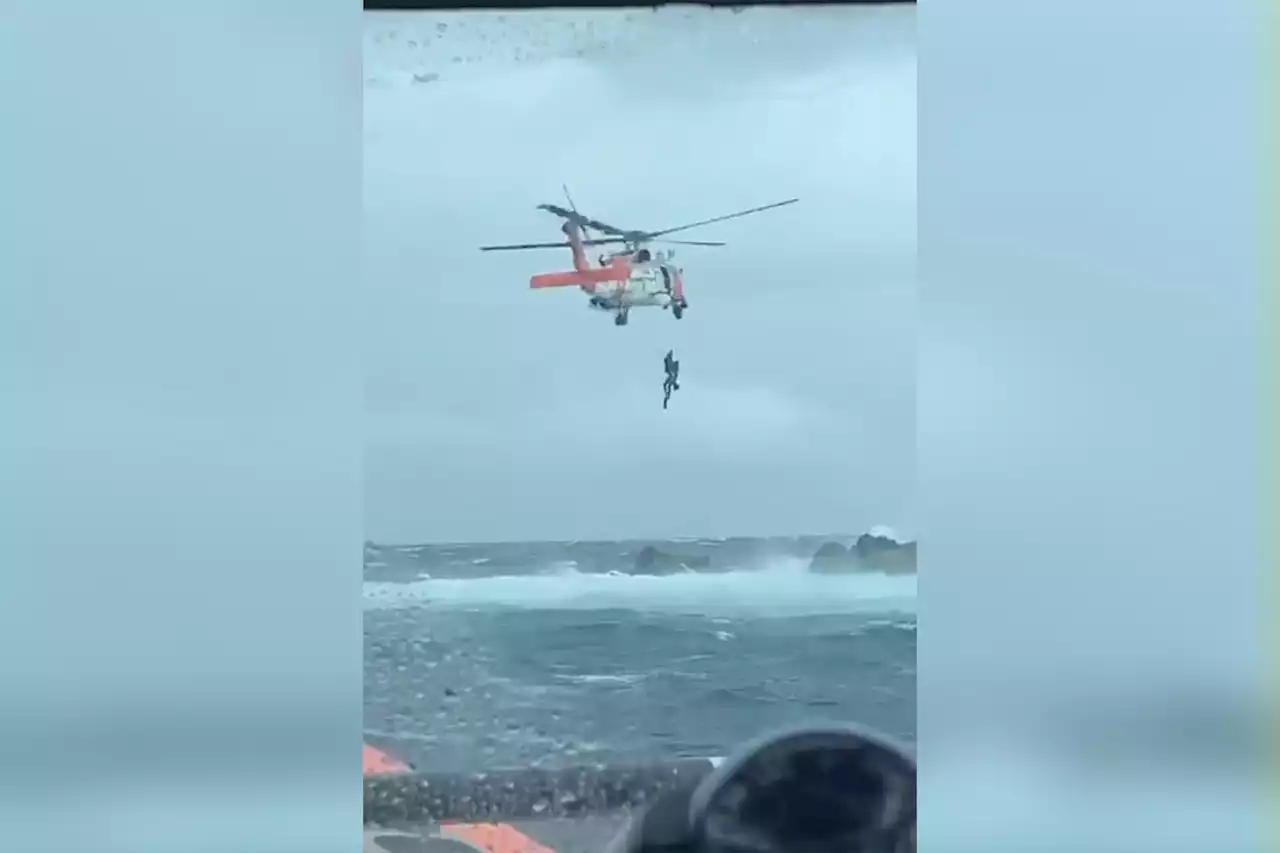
{"x":870,"y":553}
{"x":651,"y":561}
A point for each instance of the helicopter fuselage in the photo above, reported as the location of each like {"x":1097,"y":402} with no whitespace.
{"x":621,"y":282}
{"x":632,"y":277}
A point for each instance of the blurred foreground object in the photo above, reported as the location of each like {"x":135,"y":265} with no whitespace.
{"x":836,"y":789}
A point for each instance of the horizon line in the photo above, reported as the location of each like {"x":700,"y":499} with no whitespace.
{"x":592,"y":541}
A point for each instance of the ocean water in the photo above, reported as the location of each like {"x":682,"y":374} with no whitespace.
{"x":551,"y":654}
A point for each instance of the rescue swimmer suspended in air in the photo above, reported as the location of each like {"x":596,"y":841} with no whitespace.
{"x":633,"y":276}
{"x":672,"y":383}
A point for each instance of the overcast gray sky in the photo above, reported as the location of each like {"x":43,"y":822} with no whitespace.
{"x":494,"y":412}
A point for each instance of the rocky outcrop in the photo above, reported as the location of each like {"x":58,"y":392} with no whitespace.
{"x":651,"y":561}
{"x":870,"y":553}
{"x":831,"y":558}
{"x":882,"y":554}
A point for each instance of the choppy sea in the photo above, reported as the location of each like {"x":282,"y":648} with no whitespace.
{"x":552,"y":653}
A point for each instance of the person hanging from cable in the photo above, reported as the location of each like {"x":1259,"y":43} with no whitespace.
{"x":672,"y":382}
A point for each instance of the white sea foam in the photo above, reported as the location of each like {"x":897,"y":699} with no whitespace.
{"x":783,"y":589}
{"x":886,"y":532}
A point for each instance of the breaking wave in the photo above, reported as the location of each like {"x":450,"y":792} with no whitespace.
{"x":784,"y":589}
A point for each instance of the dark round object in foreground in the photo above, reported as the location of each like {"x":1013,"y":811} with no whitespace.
{"x":809,"y":790}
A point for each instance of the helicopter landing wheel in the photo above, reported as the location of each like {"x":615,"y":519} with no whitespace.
{"x":620,"y":319}
{"x":677,"y":310}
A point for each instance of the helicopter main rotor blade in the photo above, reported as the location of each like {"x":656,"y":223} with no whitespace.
{"x":580,"y":220}
{"x":569,"y":198}
{"x":692,"y":242}
{"x":650,"y":235}
{"x":521,"y":246}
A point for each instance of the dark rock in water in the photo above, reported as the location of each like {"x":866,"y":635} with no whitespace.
{"x":870,"y":553}
{"x":882,"y":554}
{"x":651,"y":561}
{"x":831,"y":551}
{"x":832,"y":558}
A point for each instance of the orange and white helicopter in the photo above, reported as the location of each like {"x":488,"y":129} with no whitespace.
{"x":632,"y":277}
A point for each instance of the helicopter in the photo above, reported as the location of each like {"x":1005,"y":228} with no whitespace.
{"x":630,"y":277}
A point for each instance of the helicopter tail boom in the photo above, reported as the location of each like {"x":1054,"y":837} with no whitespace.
{"x":586,"y":279}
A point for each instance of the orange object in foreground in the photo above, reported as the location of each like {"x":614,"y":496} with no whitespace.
{"x":377,"y":762}
{"x":493,"y":838}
